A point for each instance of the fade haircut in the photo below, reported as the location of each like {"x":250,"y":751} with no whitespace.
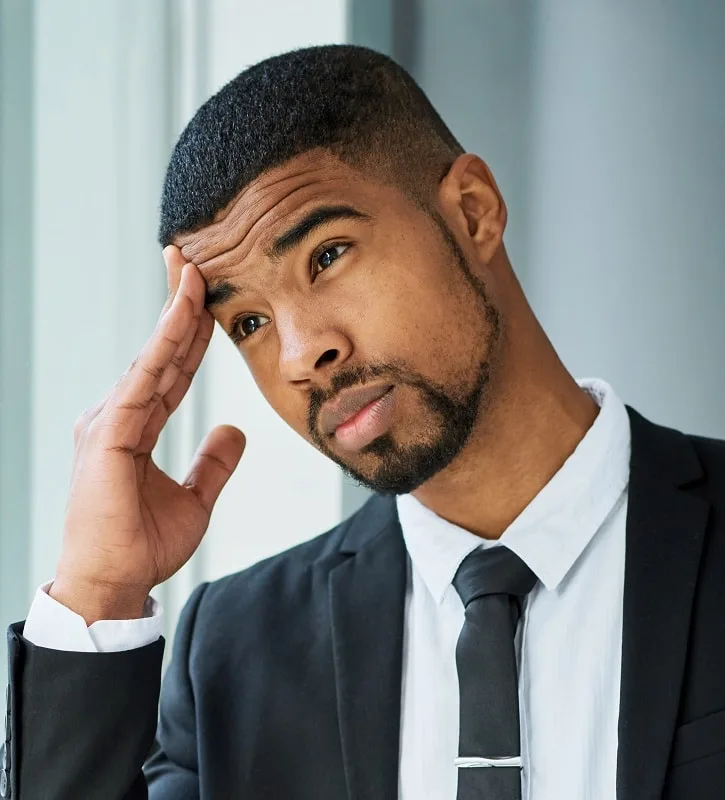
{"x":353,"y":102}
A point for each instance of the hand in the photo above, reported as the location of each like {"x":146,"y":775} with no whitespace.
{"x":128,"y":525}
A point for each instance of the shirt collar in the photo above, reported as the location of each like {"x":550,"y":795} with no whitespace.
{"x":554,"y":529}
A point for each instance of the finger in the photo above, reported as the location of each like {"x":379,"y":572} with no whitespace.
{"x":171,"y":373}
{"x":172,"y":398}
{"x":85,"y":419}
{"x":192,"y":362}
{"x":214,"y":462}
{"x":172,"y":255}
{"x":133,"y":399}
{"x":174,"y":261}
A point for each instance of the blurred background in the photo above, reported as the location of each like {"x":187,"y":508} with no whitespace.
{"x":603,"y":122}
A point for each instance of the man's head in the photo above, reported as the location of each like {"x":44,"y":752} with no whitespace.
{"x":351,"y":252}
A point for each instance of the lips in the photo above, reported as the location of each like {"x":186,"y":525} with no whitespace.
{"x":348,"y":404}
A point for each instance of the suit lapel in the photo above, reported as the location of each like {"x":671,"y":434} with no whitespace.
{"x":665,"y":531}
{"x":367,"y":601}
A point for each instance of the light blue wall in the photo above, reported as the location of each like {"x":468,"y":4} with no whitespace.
{"x":627,"y":200}
{"x":16,"y":291}
{"x":100,"y":119}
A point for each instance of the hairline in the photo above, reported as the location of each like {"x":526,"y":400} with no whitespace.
{"x":378,"y":170}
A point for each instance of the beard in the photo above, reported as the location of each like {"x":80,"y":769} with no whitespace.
{"x":453,"y":415}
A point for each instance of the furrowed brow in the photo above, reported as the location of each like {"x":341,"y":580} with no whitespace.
{"x":304,"y":227}
{"x":219,"y":293}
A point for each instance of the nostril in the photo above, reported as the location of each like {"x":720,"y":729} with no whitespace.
{"x":327,"y":356}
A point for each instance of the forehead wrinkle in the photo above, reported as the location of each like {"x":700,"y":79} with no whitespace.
{"x":228,"y":262}
{"x":205,"y":244}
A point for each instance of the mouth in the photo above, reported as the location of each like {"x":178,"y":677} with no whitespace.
{"x":367,"y":423}
{"x":347,"y":405}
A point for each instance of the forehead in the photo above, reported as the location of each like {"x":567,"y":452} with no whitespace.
{"x":273,"y":199}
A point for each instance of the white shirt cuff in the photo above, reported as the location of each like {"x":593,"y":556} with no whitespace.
{"x":51,"y":624}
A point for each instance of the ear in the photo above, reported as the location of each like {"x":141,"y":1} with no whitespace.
{"x":471,"y":198}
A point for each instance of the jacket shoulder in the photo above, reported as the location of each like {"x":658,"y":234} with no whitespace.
{"x":687,"y":459}
{"x":711,"y":453}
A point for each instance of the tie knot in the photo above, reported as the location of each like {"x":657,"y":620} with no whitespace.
{"x":495,"y":570}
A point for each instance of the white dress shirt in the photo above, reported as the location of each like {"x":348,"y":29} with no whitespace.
{"x":572,"y":535}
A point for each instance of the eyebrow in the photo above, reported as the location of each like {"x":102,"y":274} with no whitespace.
{"x":220,"y":292}
{"x":295,"y":235}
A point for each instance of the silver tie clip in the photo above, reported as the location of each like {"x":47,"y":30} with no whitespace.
{"x":466,"y":762}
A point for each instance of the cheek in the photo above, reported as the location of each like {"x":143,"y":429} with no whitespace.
{"x":416,"y":308}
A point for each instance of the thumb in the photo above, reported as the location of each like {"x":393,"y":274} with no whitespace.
{"x":215,"y":460}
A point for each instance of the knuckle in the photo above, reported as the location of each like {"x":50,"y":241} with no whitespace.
{"x":82,"y":421}
{"x":109,"y":435}
{"x":154,"y":371}
{"x":172,"y":341}
{"x":135,"y":405}
{"x":92,"y":427}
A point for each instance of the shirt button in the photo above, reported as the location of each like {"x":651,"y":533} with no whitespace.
{"x":4,"y":785}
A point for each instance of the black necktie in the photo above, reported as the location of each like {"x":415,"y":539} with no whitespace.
{"x":491,"y":584}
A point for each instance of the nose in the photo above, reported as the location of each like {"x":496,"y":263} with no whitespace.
{"x":310,"y":347}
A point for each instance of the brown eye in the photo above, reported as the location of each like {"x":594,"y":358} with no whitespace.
{"x":327,"y":257}
{"x":248,"y":325}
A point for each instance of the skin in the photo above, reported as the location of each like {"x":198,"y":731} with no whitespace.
{"x":394,"y":295}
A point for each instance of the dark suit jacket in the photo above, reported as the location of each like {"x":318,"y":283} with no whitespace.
{"x":286,"y":678}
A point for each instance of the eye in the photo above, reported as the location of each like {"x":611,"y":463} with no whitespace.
{"x":244,"y":327}
{"x":325,"y":258}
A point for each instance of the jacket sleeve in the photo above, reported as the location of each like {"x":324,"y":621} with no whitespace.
{"x":81,"y":725}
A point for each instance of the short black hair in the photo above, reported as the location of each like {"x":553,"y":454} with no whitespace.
{"x":352,"y":101}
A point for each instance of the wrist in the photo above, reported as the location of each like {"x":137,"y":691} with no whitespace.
{"x":97,"y":601}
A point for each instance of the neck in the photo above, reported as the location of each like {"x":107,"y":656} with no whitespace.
{"x":531,"y":424}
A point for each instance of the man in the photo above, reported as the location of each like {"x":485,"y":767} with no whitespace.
{"x":531,"y":604}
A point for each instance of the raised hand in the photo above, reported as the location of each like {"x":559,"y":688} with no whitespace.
{"x":128,"y":525}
